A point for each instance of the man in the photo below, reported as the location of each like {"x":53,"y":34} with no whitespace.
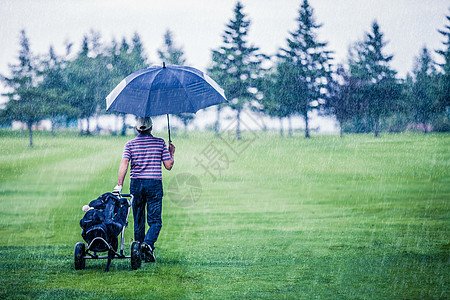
{"x":145,"y":153}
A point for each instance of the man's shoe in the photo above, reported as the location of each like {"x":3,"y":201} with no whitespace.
{"x":147,"y":252}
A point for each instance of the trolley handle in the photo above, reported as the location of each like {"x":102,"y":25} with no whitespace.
{"x":130,"y":202}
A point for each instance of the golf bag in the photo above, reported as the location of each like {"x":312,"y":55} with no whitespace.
{"x":104,"y":222}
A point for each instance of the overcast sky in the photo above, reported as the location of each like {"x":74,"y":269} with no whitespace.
{"x":197,"y":25}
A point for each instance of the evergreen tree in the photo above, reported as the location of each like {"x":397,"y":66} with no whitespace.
{"x":125,"y":60}
{"x":219,"y":74}
{"x":304,"y":67}
{"x":271,"y":100}
{"x":340,"y":100}
{"x":90,"y":79}
{"x":400,"y":116}
{"x":443,"y":122}
{"x":379,"y":89}
{"x":236,"y":64}
{"x":171,"y":54}
{"x":122,"y":62}
{"x":424,"y":103}
{"x":55,"y":88}
{"x":79,"y":80}
{"x":360,"y":122}
{"x":138,"y":55}
{"x":26,"y":101}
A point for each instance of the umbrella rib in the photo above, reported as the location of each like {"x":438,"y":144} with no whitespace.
{"x":189,"y":99}
{"x":147,"y":107}
{"x":208,"y":79}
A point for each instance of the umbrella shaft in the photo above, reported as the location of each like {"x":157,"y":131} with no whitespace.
{"x":168,"y":127}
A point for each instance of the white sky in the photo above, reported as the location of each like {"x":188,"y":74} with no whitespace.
{"x":198,"y":25}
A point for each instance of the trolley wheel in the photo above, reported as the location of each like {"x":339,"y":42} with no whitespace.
{"x":135,"y":255}
{"x":80,"y":252}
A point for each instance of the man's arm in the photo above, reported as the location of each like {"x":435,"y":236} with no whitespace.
{"x":123,"y":170}
{"x":168,"y":164}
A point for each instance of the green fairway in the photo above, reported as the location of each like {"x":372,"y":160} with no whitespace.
{"x":352,"y":218}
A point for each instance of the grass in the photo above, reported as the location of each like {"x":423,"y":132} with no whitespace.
{"x":352,"y":218}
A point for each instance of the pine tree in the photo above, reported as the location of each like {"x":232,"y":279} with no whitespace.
{"x":171,"y":54}
{"x":53,"y":85}
{"x":90,"y":79}
{"x":304,"y":67}
{"x":219,"y":74}
{"x":424,"y":103}
{"x":236,"y":64}
{"x":26,"y":101}
{"x":379,"y":90}
{"x":444,"y":80}
{"x":138,"y":53}
{"x":126,"y":59}
{"x":340,"y":97}
{"x":271,"y":100}
{"x":79,"y":80}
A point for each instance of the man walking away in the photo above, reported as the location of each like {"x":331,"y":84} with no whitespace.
{"x":146,"y":152}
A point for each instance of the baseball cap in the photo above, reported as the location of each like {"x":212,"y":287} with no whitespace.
{"x":144,"y":124}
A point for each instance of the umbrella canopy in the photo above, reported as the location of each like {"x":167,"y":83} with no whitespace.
{"x":163,"y":90}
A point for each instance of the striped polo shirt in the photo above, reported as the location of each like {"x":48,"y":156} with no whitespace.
{"x":145,"y":153}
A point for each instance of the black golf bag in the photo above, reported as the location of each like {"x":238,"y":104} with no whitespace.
{"x":105,"y":222}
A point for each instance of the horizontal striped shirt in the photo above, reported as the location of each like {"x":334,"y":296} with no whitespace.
{"x":145,"y":153}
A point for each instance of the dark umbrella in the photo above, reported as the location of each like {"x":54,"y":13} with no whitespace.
{"x":163,"y":90}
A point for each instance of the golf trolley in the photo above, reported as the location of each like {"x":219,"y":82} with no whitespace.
{"x":99,"y":238}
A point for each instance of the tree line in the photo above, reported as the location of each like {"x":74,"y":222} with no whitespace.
{"x":364,"y":94}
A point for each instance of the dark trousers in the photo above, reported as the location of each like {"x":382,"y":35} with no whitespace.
{"x":147,"y":192}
